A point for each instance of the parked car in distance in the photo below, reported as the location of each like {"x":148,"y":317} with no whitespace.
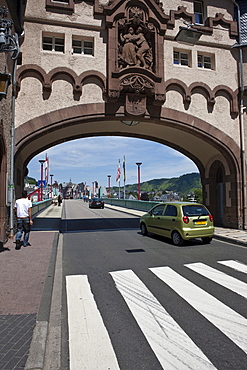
{"x":96,"y":203}
{"x":179,"y":221}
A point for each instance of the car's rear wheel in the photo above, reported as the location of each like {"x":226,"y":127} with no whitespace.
{"x":206,"y":240}
{"x":177,"y":239}
{"x":144,"y":230}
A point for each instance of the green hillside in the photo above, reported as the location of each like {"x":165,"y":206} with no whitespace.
{"x":182,"y":185}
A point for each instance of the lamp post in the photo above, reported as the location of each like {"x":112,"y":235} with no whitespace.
{"x":92,"y":189}
{"x":139,"y":179}
{"x":109,"y":186}
{"x":51,"y":185}
{"x":41,"y":161}
{"x":240,"y":46}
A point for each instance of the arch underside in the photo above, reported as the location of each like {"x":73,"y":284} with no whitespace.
{"x":197,"y":139}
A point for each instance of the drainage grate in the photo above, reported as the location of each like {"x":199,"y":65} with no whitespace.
{"x":134,"y":250}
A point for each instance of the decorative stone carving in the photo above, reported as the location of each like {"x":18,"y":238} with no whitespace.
{"x":137,"y":84}
{"x":135,"y":44}
{"x":135,"y":105}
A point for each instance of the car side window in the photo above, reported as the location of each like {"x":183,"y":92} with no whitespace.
{"x":158,"y":211}
{"x":171,"y":211}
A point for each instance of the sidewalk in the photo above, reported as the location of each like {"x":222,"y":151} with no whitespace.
{"x":23,"y":276}
{"x":27,"y":278}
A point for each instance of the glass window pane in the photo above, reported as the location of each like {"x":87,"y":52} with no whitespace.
{"x":59,"y":41}
{"x":88,"y":44}
{"x":59,"y":48}
{"x":47,"y":40}
{"x":197,"y":7}
{"x":47,"y":47}
{"x":176,"y":57}
{"x":77,"y":50}
{"x":76,"y":43}
{"x":88,"y":51}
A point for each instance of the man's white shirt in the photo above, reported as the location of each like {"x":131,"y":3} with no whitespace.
{"x":22,"y":206}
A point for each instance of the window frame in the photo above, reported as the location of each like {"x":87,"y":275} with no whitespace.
{"x":203,"y":62}
{"x":61,"y":5}
{"x":82,"y":46}
{"x":180,"y":59}
{"x":197,"y":13}
{"x":53,"y":44}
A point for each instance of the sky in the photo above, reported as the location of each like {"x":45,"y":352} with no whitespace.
{"x":94,"y":158}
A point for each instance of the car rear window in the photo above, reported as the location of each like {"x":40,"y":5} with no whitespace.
{"x":194,"y":210}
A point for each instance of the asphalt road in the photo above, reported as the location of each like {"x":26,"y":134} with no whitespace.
{"x":132,"y":302}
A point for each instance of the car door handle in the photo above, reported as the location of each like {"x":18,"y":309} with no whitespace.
{"x":173,"y":219}
{"x":158,"y":218}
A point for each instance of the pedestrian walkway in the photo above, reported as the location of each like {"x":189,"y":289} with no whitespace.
{"x":27,"y":277}
{"x":23,"y":276}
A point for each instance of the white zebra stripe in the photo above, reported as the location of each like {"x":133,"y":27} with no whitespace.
{"x":89,"y":343}
{"x":171,"y":345}
{"x":224,"y":318}
{"x":235,"y":265}
{"x":219,"y":277}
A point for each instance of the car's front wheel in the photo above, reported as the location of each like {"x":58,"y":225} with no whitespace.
{"x":177,"y":239}
{"x":144,"y":230}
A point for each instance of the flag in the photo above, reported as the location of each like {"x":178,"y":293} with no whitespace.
{"x":46,"y":169}
{"x":118,"y":172}
{"x":124,"y":170}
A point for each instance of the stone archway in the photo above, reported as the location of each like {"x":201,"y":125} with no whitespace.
{"x":205,"y":144}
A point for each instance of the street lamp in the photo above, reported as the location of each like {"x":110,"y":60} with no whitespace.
{"x":109,"y":186}
{"x":188,"y":35}
{"x":51,"y":185}
{"x":139,"y":179}
{"x":4,"y":84}
{"x":41,"y":161}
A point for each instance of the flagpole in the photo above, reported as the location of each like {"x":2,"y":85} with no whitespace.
{"x":124,"y":174}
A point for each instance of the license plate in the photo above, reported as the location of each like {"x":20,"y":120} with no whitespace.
{"x":200,"y":222}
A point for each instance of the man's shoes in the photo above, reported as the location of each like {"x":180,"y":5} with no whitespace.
{"x":18,"y":244}
{"x":27,"y":245}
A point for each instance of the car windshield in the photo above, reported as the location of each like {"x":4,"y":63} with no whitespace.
{"x":97,"y":200}
{"x":195,"y":210}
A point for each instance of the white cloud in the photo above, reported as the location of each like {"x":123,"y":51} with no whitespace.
{"x":91,"y":159}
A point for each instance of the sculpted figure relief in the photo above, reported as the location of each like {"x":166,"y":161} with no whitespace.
{"x":135,"y":50}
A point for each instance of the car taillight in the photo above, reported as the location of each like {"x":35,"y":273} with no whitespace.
{"x":211,"y":218}
{"x":186,"y":219}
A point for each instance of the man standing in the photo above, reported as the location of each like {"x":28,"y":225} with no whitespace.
{"x":23,"y":210}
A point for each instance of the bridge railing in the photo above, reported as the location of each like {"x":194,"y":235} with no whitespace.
{"x":38,"y":206}
{"x":139,"y":205}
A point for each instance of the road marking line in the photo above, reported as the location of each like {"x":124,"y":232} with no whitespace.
{"x":224,"y":318}
{"x":235,"y":265}
{"x":89,"y":343}
{"x":172,"y":346}
{"x":219,"y":277}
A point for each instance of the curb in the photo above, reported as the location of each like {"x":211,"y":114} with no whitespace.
{"x":37,"y":349}
{"x":230,"y":240}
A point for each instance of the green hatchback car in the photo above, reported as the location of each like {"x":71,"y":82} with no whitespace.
{"x":179,"y":221}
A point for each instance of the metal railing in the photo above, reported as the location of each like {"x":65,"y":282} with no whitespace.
{"x":140,"y":205}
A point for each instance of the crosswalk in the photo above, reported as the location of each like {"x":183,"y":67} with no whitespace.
{"x":90,"y":346}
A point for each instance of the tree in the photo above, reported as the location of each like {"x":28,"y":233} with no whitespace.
{"x":198,"y":195}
